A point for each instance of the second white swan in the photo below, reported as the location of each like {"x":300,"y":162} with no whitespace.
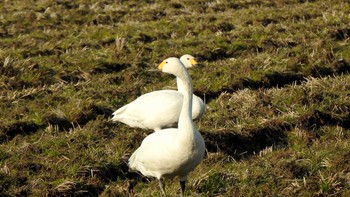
{"x":159,"y":109}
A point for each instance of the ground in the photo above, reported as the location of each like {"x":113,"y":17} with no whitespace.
{"x":275,"y":79}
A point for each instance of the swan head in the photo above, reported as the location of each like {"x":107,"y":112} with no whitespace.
{"x":172,"y":65}
{"x":188,"y":61}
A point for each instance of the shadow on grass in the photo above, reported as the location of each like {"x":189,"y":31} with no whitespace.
{"x":273,"y":133}
{"x":94,"y":180}
{"x":275,"y":79}
{"x":88,"y":113}
{"x":19,"y":128}
{"x":243,"y":146}
{"x":280,"y":79}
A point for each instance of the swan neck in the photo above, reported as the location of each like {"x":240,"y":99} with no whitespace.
{"x":180,"y":85}
{"x":185,"y":119}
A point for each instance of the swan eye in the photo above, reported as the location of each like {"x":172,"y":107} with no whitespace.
{"x":188,"y":58}
{"x":166,"y":62}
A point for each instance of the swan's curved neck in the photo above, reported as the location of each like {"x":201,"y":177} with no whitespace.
{"x":180,"y":85}
{"x":185,"y":119}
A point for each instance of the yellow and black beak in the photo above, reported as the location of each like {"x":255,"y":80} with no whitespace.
{"x":161,"y":65}
{"x":195,"y":63}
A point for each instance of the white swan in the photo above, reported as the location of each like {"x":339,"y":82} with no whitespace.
{"x":159,"y":109}
{"x":172,"y":152}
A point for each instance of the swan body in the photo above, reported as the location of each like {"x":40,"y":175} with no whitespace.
{"x":159,"y":109}
{"x":172,"y":152}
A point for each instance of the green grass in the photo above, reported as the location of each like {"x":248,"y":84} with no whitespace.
{"x":275,"y":79}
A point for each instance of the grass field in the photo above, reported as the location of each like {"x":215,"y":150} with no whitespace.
{"x":275,"y":81}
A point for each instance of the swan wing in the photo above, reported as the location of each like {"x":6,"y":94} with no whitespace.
{"x":198,"y":108}
{"x":153,"y":110}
